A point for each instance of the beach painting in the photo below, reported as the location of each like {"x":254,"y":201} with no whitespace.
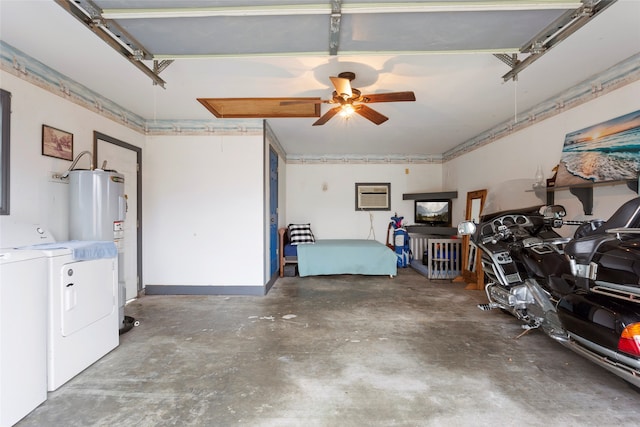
{"x":608,"y":151}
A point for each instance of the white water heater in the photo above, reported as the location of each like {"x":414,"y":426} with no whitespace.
{"x":97,"y":210}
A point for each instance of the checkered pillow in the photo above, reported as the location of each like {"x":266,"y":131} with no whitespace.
{"x":300,"y":234}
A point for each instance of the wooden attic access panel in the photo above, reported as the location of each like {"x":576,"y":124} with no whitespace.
{"x":246,"y":108}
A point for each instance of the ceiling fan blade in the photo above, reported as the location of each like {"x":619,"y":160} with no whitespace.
{"x":370,"y":114}
{"x":389,"y":97}
{"x":342,"y":85}
{"x":327,"y":116}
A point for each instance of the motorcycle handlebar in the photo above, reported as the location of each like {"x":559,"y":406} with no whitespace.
{"x":502,"y":234}
{"x":559,"y":222}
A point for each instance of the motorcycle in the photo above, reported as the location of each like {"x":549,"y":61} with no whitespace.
{"x":583,"y":291}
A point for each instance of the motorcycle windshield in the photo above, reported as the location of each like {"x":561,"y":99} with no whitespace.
{"x":513,"y":195}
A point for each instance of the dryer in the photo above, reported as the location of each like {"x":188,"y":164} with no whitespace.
{"x":82,"y":306}
{"x":82,"y":313}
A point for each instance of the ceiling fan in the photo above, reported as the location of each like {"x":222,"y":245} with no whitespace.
{"x":351,"y":100}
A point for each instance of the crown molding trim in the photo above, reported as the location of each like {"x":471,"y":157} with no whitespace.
{"x":25,"y":67}
{"x":35,"y":72}
{"x":621,"y":74}
{"x":274,"y":141}
{"x":363,"y":159}
{"x":204,"y":127}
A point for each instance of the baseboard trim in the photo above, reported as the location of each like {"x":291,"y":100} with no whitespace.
{"x":271,"y":282}
{"x":204,"y":290}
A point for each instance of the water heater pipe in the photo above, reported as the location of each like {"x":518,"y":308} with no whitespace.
{"x":64,"y":175}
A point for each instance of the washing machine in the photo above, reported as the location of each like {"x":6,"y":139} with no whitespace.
{"x":82,"y":303}
{"x":23,"y":333}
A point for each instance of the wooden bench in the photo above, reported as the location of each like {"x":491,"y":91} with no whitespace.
{"x":283,"y":238}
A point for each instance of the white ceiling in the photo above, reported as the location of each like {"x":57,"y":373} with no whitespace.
{"x":445,"y":58}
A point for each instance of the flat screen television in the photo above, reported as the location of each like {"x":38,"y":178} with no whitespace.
{"x":434,"y":212}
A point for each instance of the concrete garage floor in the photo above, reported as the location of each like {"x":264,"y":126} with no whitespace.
{"x":337,"y":351}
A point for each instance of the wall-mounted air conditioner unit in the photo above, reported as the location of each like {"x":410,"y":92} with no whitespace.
{"x":373,"y":196}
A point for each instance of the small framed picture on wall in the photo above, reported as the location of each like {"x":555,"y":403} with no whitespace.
{"x":57,"y":143}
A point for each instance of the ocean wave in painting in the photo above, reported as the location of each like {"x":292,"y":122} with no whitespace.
{"x":610,"y":158}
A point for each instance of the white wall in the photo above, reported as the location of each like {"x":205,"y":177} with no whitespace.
{"x":35,"y":198}
{"x":519,"y":154}
{"x":203,"y":211}
{"x":203,"y":196}
{"x":332,"y":212}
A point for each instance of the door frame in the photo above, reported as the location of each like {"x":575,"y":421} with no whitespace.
{"x":273,"y":211}
{"x":101,"y":136}
{"x":472,"y":272}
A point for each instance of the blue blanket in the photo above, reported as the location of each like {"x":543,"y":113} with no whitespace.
{"x":349,"y":256}
{"x":82,"y":250}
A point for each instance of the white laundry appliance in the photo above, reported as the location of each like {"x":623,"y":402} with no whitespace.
{"x":23,"y":333}
{"x":83,"y":312}
{"x":82,"y":305}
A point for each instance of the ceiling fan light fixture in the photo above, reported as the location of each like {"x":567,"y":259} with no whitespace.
{"x":347,"y":110}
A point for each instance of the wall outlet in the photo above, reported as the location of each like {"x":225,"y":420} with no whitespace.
{"x":57,"y":178}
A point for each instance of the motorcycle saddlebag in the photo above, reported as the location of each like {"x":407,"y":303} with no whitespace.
{"x":596,"y":318}
{"x":619,"y":263}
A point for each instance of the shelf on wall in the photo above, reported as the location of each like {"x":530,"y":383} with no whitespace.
{"x":428,"y":229}
{"x":432,"y":230}
{"x":584,"y":192}
{"x":436,"y":195}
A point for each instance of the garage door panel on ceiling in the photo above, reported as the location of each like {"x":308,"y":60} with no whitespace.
{"x":230,"y":35}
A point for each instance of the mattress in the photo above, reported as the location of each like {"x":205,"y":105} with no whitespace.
{"x":346,"y":256}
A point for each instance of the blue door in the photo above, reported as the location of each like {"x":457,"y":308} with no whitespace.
{"x":273,"y":210}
